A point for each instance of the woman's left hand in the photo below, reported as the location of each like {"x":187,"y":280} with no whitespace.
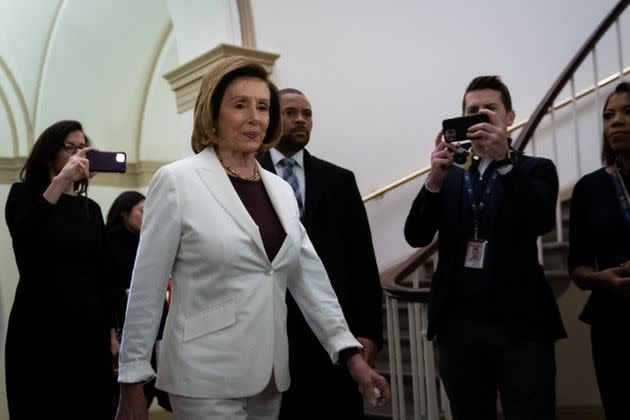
{"x":115,"y":349}
{"x":372,"y":386}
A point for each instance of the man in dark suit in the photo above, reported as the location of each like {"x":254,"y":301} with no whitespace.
{"x":493,"y":312}
{"x":335,"y":219}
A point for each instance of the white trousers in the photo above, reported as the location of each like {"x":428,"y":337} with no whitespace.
{"x":262,"y":406}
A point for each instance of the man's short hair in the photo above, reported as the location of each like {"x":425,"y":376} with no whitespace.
{"x":291,"y":90}
{"x":489,"y":82}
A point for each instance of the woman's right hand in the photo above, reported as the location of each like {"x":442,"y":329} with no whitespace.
{"x":617,"y":279}
{"x":132,"y":404}
{"x":77,"y":167}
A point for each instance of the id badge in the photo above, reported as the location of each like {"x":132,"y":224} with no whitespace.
{"x":475,"y":254}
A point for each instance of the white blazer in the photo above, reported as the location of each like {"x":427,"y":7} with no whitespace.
{"x":226,"y":328}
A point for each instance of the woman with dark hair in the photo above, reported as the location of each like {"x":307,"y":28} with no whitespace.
{"x":122,"y":227}
{"x":60,"y":326}
{"x":599,"y":258}
{"x":124,"y":221}
{"x":229,"y":234}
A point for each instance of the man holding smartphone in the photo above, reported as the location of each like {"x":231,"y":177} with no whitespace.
{"x":492,"y":310}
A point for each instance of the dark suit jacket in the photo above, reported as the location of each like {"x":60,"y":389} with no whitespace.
{"x":337,"y":224}
{"x":522,"y":208}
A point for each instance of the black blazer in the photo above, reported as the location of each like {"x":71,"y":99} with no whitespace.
{"x":522,"y":208}
{"x":337,"y":224}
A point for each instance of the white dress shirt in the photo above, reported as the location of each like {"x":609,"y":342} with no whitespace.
{"x":298,"y":169}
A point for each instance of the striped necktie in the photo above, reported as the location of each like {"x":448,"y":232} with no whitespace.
{"x":288,"y":175}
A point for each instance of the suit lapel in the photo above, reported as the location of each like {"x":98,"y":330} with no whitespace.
{"x":313,"y":178}
{"x":217,"y":182}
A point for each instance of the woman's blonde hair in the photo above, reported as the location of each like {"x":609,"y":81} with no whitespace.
{"x":208,"y":103}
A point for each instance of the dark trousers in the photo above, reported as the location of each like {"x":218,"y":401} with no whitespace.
{"x":611,"y":350}
{"x":477,"y":359}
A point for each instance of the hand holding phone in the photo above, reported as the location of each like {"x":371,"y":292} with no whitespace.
{"x":107,"y":161}
{"x":456,"y":129}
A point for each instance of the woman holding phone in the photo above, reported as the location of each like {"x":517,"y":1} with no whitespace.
{"x":59,"y":343}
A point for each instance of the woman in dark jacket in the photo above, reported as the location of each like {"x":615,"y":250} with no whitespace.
{"x":124,"y":221}
{"x":58,"y":345}
{"x":599,"y":257}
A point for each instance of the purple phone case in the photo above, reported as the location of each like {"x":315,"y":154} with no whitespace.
{"x":106,"y":161}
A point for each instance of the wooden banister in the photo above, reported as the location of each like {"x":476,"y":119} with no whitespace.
{"x":394,"y":275}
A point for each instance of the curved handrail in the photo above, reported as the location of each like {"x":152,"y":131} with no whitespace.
{"x":567,"y":73}
{"x":394,"y":275}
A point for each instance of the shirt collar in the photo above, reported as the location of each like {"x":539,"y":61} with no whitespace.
{"x":277,"y":156}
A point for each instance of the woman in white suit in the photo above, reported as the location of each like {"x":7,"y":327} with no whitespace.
{"x":229,"y":234}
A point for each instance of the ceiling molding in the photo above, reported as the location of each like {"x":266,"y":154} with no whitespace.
{"x":25,"y":112}
{"x":166,"y":33}
{"x":246,"y":19}
{"x":185,"y":80}
{"x":42,"y":69}
{"x":138,"y":174}
{"x":11,"y":118}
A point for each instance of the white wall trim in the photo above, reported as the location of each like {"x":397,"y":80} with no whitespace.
{"x":185,"y":80}
{"x":42,"y":71}
{"x":159,"y":52}
{"x":25,"y":112}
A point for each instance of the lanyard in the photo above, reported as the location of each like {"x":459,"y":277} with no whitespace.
{"x":622,"y":195}
{"x":479,"y":207}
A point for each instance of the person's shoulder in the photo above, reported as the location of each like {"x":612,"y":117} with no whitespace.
{"x":534,"y":160}
{"x":176,"y":169}
{"x":591,"y":179}
{"x":23,"y":189}
{"x":181,"y":164}
{"x":528,"y":163}
{"x":20,"y":187}
{"x":93,"y":204}
{"x":328,"y":166}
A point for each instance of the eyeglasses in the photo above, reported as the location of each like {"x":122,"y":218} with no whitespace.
{"x":71,"y":147}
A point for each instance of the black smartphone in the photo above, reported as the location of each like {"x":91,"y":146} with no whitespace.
{"x":107,"y":161}
{"x":455,"y":129}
